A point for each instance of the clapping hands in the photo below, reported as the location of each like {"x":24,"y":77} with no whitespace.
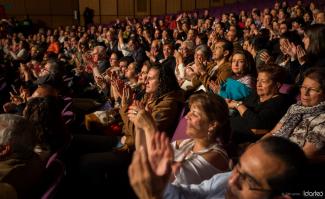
{"x":150,"y":173}
{"x":141,"y":118}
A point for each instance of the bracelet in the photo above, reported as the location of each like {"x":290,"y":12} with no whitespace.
{"x":238,"y":104}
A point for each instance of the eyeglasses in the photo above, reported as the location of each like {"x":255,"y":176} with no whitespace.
{"x":309,"y":90}
{"x":251,"y":182}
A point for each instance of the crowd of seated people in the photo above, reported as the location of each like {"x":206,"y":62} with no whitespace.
{"x":97,"y":97}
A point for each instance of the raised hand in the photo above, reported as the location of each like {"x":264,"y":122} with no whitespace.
{"x":178,"y":56}
{"x":301,"y":55}
{"x":214,"y":87}
{"x":141,"y":118}
{"x":290,"y":48}
{"x":266,"y":58}
{"x":161,"y":154}
{"x":199,"y":67}
{"x":149,"y":182}
{"x":127,"y":96}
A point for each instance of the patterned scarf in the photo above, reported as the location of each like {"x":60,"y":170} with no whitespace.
{"x":295,"y":115}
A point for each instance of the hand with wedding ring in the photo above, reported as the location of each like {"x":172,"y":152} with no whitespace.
{"x":133,"y":110}
{"x":140,"y":117}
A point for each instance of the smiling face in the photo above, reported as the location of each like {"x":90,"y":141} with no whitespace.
{"x":249,"y":179}
{"x":311,"y":93}
{"x":197,"y":122}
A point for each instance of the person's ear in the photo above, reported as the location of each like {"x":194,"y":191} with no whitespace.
{"x":226,"y":53}
{"x":212,"y":126}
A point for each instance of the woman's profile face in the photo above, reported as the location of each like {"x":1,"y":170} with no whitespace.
{"x":311,"y":93}
{"x":143,"y":74}
{"x":152,"y":82}
{"x":197,"y":122}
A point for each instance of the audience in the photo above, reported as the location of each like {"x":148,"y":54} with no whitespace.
{"x":204,"y":153}
{"x":303,"y":122}
{"x":270,"y":168}
{"x":99,"y":156}
{"x":136,"y":70}
{"x":261,"y":110}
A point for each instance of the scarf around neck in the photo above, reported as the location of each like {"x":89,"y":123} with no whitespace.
{"x":295,"y":115}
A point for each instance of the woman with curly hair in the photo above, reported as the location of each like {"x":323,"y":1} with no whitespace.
{"x":104,"y":160}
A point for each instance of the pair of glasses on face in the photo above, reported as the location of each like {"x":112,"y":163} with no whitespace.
{"x":309,"y":90}
{"x":252,"y":183}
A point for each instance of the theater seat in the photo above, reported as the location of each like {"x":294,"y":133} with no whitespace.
{"x":54,"y":173}
{"x":179,"y":133}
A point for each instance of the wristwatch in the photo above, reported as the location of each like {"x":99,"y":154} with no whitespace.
{"x":238,"y":104}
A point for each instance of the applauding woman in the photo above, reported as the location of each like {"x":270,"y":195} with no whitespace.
{"x":208,"y":127}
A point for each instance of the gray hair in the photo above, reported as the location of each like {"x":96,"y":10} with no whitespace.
{"x":54,"y":67}
{"x":18,"y":133}
{"x":190,"y":45}
{"x":204,"y":49}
